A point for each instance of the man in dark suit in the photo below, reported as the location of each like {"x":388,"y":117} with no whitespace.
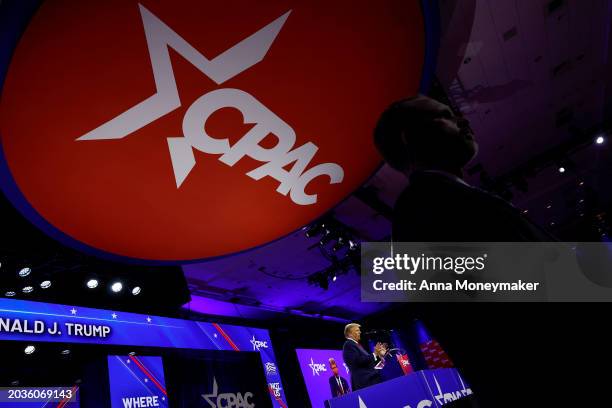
{"x":426,"y":141}
{"x":337,"y":384}
{"x":360,"y":362}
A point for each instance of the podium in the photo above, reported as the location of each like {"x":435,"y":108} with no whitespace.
{"x":420,"y":389}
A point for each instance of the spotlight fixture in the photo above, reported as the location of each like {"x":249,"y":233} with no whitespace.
{"x":600,"y":140}
{"x":92,"y":283}
{"x":335,"y":278}
{"x":65,"y":352}
{"x":132,"y":353}
{"x":549,"y":206}
{"x":46,"y":284}
{"x":312,"y":230}
{"x":10,"y":293}
{"x":27,"y":289}
{"x":117,"y":287}
{"x":338,"y":245}
{"x":29,"y":349}
{"x":24,"y":272}
{"x":136,"y":290}
{"x":561,"y":169}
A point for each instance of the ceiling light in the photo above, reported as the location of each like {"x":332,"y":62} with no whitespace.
{"x":65,"y":352}
{"x":92,"y":283}
{"x":29,"y":349}
{"x":27,"y":289}
{"x":9,"y":293}
{"x":25,"y":272}
{"x":136,"y":290}
{"x":561,"y":169}
{"x":117,"y":287}
{"x":45,"y":284}
{"x":600,"y":139}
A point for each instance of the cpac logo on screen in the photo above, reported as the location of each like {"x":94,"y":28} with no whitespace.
{"x":225,"y":66}
{"x":228,"y":399}
{"x":316,"y":367}
{"x":257,"y":344}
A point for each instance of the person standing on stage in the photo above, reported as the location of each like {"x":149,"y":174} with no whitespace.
{"x":361,"y":363}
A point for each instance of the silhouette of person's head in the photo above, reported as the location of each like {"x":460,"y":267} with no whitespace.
{"x":422,"y":133}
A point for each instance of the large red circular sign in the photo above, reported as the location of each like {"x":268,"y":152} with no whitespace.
{"x":180,"y":130}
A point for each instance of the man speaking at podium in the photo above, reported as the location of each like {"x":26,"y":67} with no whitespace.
{"x":360,"y":362}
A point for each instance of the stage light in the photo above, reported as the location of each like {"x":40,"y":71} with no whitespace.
{"x":334,"y":278}
{"x":600,"y":140}
{"x":549,"y":206}
{"x":45,"y":284}
{"x":29,"y":349}
{"x":312,"y":230}
{"x":581,"y":183}
{"x":132,"y":353}
{"x":117,"y":287}
{"x":65,"y":352}
{"x":10,"y":293}
{"x":27,"y":289}
{"x":338,"y":245}
{"x":561,"y":169}
{"x":92,"y":283}
{"x":25,"y":272}
{"x":136,"y":290}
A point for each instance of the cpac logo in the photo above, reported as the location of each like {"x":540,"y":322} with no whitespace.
{"x":316,"y":367}
{"x":258,"y":344}
{"x":228,"y":400}
{"x":271,"y":368}
{"x":444,"y":397}
{"x":227,"y":65}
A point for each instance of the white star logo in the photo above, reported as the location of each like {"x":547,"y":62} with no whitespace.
{"x":160,"y":38}
{"x":146,"y":380}
{"x":316,"y":367}
{"x":148,"y":319}
{"x":214,"y":394}
{"x":73,"y":311}
{"x":215,"y":335}
{"x":114,"y":315}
